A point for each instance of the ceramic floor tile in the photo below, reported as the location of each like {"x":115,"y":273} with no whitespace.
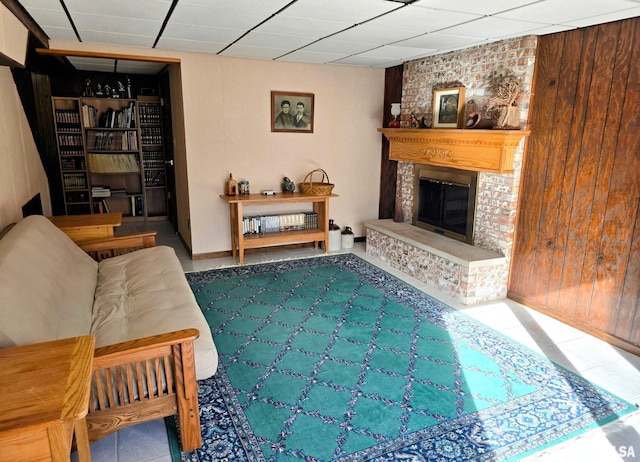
{"x":142,"y":442}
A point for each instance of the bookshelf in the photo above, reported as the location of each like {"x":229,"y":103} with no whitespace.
{"x":241,"y":240}
{"x":73,"y":162}
{"x":104,"y":151}
{"x":153,"y":155}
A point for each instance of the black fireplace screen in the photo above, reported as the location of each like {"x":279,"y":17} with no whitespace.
{"x":446,"y":202}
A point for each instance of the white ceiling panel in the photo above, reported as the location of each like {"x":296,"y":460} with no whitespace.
{"x":312,"y":57}
{"x":339,"y":46}
{"x":190,"y":46}
{"x":414,"y":20}
{"x":242,"y":51}
{"x":138,"y":67}
{"x":116,"y":25}
{"x":127,"y":40}
{"x":232,"y":14}
{"x":281,"y":42}
{"x":350,"y":11}
{"x":369,"y":62}
{"x":201,"y":33}
{"x":51,"y":17}
{"x":604,"y":18}
{"x":93,"y":64}
{"x":393,"y":52}
{"x":493,"y":27}
{"x":565,"y":11}
{"x":294,"y":26}
{"x":485,"y":7}
{"x":376,"y":33}
{"x":439,"y":41}
{"x":150,"y":10}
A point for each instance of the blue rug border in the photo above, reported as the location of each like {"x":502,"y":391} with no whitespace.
{"x":408,"y":290}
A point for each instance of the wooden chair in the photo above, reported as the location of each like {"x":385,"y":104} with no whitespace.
{"x":143,"y":379}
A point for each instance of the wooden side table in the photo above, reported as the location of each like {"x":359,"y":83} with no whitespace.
{"x":86,"y":227}
{"x":44,"y":390}
{"x":240,"y":241}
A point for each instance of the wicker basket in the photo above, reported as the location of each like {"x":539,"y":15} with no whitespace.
{"x":308,"y":186}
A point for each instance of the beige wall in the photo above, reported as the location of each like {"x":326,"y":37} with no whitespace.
{"x":227,"y":122}
{"x":227,"y":130}
{"x":21,"y":174}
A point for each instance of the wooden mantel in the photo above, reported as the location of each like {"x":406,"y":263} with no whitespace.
{"x":471,"y":149}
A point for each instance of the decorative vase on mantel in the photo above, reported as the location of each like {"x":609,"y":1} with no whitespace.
{"x":395,"y":112}
{"x":398,"y":214}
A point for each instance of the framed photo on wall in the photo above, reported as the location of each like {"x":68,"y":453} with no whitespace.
{"x":291,"y":112}
{"x":448,"y":107}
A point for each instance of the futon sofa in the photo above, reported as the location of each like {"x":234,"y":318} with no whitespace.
{"x":152,"y":340}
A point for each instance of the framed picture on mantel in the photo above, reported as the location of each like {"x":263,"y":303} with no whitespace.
{"x":448,"y":107}
{"x":291,"y":112}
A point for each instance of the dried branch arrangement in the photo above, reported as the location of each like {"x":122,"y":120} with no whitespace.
{"x":505,"y":91}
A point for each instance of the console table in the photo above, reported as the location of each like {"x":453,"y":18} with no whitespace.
{"x":86,"y":227}
{"x":240,"y":241}
{"x":45,"y":398}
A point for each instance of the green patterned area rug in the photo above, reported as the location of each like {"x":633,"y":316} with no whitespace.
{"x":332,"y":359}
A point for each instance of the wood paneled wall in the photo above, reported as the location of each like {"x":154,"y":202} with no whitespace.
{"x":389,"y":168}
{"x":577,"y":250}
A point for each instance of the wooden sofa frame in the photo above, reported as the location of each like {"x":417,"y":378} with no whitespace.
{"x":143,"y":379}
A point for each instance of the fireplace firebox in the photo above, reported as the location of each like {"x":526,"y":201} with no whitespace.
{"x":445,"y":201}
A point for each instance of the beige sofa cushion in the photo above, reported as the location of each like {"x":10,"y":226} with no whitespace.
{"x":47,"y":284}
{"x":146,"y":293}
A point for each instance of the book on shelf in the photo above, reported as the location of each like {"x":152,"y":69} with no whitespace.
{"x":74,"y":180}
{"x":111,"y":118}
{"x":100,"y":191}
{"x":137,"y":206}
{"x":277,"y":223}
{"x":100,"y":206}
{"x":113,"y":163}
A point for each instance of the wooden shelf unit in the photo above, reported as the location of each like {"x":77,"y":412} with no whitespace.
{"x":104,"y":142}
{"x":240,"y":241}
{"x":153,"y":155}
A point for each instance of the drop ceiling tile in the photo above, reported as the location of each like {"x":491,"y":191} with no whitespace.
{"x":201,"y":33}
{"x":336,"y":45}
{"x":191,"y":46}
{"x":303,"y":56}
{"x":350,"y":11}
{"x":61,"y":33}
{"x":138,"y":67}
{"x":253,"y":52}
{"x":117,"y":39}
{"x":491,"y":27}
{"x":609,"y":17}
{"x":565,"y":11}
{"x":92,"y":64}
{"x":47,"y":17}
{"x":414,"y":20}
{"x":485,"y":7}
{"x":240,"y":14}
{"x":392,"y":52}
{"x":110,"y":24}
{"x":368,"y":61}
{"x":153,"y":10}
{"x":440,"y":41}
{"x":301,"y":26}
{"x":282,"y":42}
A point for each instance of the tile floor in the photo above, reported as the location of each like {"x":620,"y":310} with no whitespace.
{"x":599,"y":362}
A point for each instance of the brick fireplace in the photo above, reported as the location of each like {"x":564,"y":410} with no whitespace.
{"x":468,"y":273}
{"x":483,"y":274}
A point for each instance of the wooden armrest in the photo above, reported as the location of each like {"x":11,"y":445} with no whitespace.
{"x":131,"y":347}
{"x":146,"y":239}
